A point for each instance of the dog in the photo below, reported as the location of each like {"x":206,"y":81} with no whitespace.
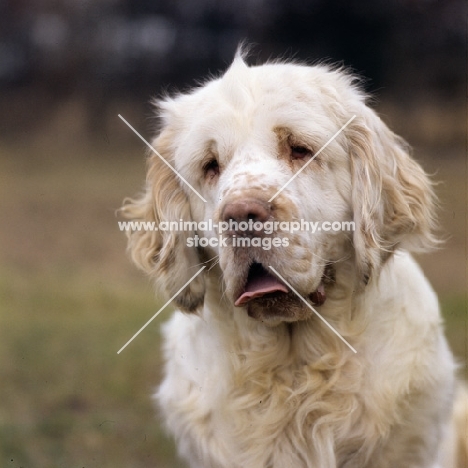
{"x":295,"y":348}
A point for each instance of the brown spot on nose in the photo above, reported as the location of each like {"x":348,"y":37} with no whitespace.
{"x":245,"y":210}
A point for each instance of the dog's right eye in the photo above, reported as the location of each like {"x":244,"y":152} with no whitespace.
{"x":300,"y":152}
{"x":211,"y":169}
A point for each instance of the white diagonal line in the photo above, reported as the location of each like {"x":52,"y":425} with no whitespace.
{"x":312,"y":158}
{"x":313,"y":310}
{"x":160,"y":157}
{"x":157,"y":313}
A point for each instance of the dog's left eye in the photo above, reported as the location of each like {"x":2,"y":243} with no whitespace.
{"x":300,"y":152}
{"x":211,"y":169}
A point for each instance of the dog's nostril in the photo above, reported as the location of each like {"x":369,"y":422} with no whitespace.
{"x":245,"y":210}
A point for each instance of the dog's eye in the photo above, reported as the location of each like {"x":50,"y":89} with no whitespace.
{"x":300,"y":152}
{"x":211,"y":169}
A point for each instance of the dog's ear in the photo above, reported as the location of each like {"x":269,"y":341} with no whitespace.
{"x":164,"y":254}
{"x":393,"y":200}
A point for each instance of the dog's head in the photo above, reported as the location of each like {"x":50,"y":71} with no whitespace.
{"x":256,"y":151}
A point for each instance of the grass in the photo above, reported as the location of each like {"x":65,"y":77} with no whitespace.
{"x":68,"y":399}
{"x":70,"y":300}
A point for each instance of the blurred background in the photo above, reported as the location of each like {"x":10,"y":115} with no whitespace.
{"x":69,"y":296}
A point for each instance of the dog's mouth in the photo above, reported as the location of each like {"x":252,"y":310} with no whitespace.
{"x":265,"y":287}
{"x":260,"y":283}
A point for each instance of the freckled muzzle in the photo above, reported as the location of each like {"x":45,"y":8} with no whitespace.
{"x":255,"y":286}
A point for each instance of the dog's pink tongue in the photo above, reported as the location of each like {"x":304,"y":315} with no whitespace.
{"x":258,"y":286}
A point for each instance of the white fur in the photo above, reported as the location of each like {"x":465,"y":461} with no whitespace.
{"x":282,"y":392}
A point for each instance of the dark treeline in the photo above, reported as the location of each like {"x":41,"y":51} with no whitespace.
{"x":103,"y":50}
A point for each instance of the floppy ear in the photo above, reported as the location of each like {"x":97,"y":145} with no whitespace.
{"x":164,"y":254}
{"x":392,"y":198}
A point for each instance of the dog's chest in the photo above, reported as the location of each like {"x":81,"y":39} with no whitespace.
{"x":282,"y":416}
{"x":265,"y":407}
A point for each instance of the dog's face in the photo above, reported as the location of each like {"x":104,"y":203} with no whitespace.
{"x":247,"y":136}
{"x":262,"y":145}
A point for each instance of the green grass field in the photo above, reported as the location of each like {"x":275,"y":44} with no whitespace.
{"x":70,"y":299}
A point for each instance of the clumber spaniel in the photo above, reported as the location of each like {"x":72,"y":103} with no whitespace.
{"x":253,"y":377}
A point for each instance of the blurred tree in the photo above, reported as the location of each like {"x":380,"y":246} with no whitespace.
{"x":103,"y":50}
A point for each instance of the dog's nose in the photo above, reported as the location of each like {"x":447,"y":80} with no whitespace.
{"x":245,"y":210}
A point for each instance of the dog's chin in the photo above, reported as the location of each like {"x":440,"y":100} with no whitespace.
{"x":273,"y":309}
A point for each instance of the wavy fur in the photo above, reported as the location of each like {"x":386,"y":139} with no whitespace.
{"x":272,"y":386}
